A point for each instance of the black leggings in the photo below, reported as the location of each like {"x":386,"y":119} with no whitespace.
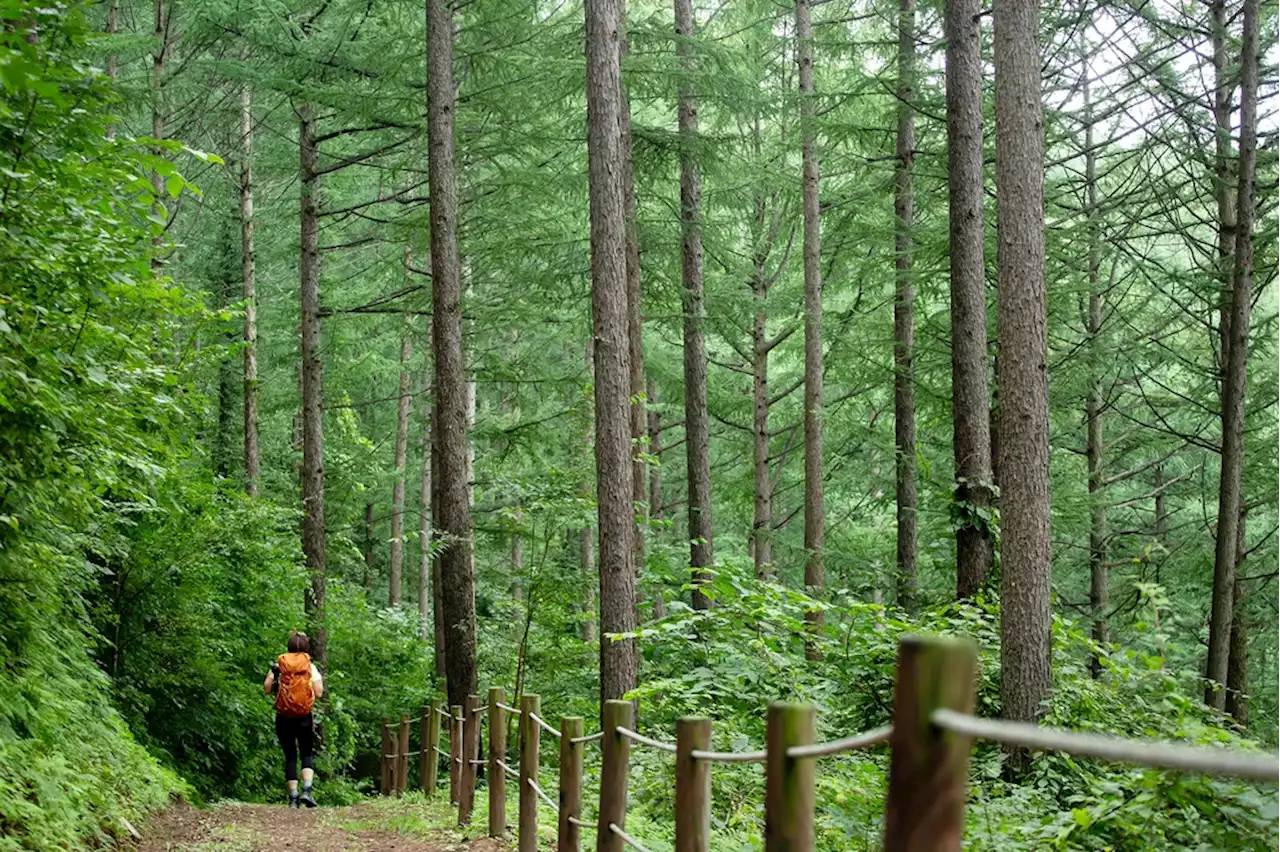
{"x":297,"y":737}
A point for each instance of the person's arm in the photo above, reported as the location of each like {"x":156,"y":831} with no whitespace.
{"x":269,"y":683}
{"x":317,"y":682}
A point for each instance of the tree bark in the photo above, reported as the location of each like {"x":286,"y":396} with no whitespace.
{"x":453,"y":518}
{"x":635,"y":315}
{"x":587,"y":534}
{"x":313,"y":538}
{"x":160,"y":34}
{"x":1233,"y":382}
{"x":655,"y":435}
{"x":396,"y":569}
{"x":225,"y":437}
{"x":970,"y":403}
{"x":814,"y":533}
{"x":696,"y":427}
{"x":614,"y":488}
{"x":426,"y":594}
{"x":437,"y":583}
{"x":1237,"y":701}
{"x":367,"y":545}
{"x":762,"y":488}
{"x":252,"y":446}
{"x":904,"y":310}
{"x":1023,"y":377}
{"x":1098,"y":596}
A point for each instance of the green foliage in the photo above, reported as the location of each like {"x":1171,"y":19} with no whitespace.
{"x":89,"y":401}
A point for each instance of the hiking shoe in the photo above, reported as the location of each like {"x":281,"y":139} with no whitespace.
{"x":293,"y":802}
{"x":307,"y":799}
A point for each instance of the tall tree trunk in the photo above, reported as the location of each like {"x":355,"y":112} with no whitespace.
{"x":762,"y":488}
{"x":970,"y":403}
{"x":313,"y":541}
{"x":252,"y":447}
{"x":1233,"y":382}
{"x":226,"y":371}
{"x":655,"y":436}
{"x":426,"y":595}
{"x":1237,"y":702}
{"x":1161,"y":512}
{"x":814,"y":532}
{"x":437,"y":582}
{"x":368,"y":544}
{"x":635,"y":315}
{"x":587,"y":534}
{"x":396,"y":569}
{"x":1094,"y":403}
{"x":111,"y":29}
{"x":904,"y":309}
{"x":1023,"y":375}
{"x":614,"y":488}
{"x":453,"y":518}
{"x":160,"y":34}
{"x":696,"y":427}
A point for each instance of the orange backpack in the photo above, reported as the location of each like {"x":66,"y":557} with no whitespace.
{"x":295,"y":696}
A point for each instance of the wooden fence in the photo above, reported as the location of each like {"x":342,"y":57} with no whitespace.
{"x":929,"y":744}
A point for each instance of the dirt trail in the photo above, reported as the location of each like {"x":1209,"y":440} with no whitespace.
{"x":268,"y":828}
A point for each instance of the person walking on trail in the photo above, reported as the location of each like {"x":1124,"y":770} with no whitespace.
{"x":297,"y":684}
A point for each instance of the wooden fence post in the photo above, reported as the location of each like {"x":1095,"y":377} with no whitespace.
{"x":927,"y":765}
{"x":788,"y":781}
{"x":497,"y":752}
{"x":384,"y":781}
{"x":430,"y":744}
{"x":455,"y":751}
{"x":423,"y":748}
{"x":693,"y":786}
{"x":470,"y":753}
{"x":402,"y":757}
{"x":568,"y":835}
{"x":529,"y":704}
{"x":615,"y":757}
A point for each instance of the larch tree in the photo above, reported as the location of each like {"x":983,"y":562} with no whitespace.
{"x":1094,"y":399}
{"x":696,"y":426}
{"x":404,"y":398}
{"x":1235,"y":338}
{"x":970,"y":401}
{"x":1022,"y":376}
{"x":313,"y":531}
{"x":814,"y":520}
{"x":249,"y":293}
{"x":451,"y":480}
{"x":426,"y":594}
{"x":904,"y":309}
{"x":609,"y":309}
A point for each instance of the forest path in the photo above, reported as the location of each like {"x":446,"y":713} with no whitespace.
{"x":382,"y":827}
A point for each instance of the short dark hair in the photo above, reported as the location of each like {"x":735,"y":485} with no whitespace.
{"x":298,"y":643}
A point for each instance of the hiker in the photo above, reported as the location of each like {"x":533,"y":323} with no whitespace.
{"x":297,"y":684}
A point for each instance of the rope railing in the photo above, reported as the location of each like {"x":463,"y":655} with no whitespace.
{"x":541,"y":794}
{"x":627,"y":838}
{"x":646,"y":741}
{"x":842,"y":746}
{"x":541,"y":724}
{"x":1157,"y":755}
{"x":929,"y":741}
{"x":728,"y":756}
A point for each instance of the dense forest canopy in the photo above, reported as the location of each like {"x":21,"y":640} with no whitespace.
{"x":690,"y":353}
